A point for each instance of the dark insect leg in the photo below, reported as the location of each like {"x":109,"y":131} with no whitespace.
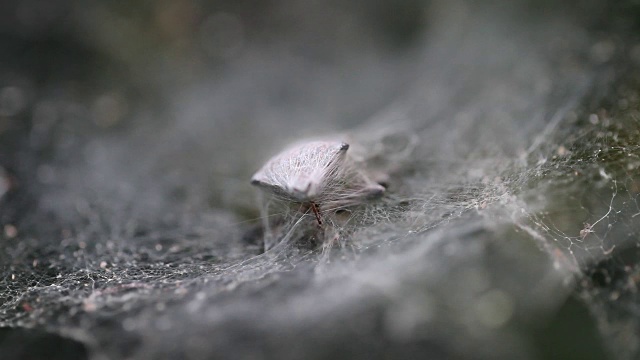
{"x":316,"y":211}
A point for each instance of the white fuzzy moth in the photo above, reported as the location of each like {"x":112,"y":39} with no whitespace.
{"x":318,"y":175}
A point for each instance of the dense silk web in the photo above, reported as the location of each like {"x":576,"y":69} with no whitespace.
{"x":506,"y":167}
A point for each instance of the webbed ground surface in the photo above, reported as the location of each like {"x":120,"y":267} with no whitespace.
{"x":129,"y":132}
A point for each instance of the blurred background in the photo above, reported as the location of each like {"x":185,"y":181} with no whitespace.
{"x":129,"y":131}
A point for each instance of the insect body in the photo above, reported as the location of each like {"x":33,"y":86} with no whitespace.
{"x":318,"y":175}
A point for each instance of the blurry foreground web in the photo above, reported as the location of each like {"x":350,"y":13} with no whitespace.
{"x":132,"y":259}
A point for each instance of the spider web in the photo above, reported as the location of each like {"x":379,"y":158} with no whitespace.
{"x":520,"y":192}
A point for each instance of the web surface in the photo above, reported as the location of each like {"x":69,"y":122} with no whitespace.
{"x":521,"y":191}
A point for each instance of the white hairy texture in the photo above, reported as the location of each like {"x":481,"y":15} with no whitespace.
{"x":318,"y":172}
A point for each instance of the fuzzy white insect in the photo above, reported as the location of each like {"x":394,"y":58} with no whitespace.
{"x":319,"y":175}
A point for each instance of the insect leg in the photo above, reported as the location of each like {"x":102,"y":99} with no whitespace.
{"x":316,"y":211}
